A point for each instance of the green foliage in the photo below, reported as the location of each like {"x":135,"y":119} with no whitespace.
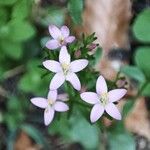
{"x":7,"y":2}
{"x":142,"y":60}
{"x":32,"y":80}
{"x":75,"y":8}
{"x":3,"y":16}
{"x":141,"y":27}
{"x":15,"y":113}
{"x":77,"y":129}
{"x":52,"y":15}
{"x":133,"y":72}
{"x":20,"y":31}
{"x":146,"y":90}
{"x":12,"y":49}
{"x":36,"y":135}
{"x":21,"y":9}
{"x":121,"y":141}
{"x":127,"y":107}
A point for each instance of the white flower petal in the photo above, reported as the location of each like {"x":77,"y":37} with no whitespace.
{"x":57,"y":81}
{"x":69,"y":39}
{"x":52,"y":95}
{"x":60,"y":106}
{"x":113,"y":111}
{"x":52,"y":44}
{"x":90,"y":97}
{"x":101,"y":86}
{"x":74,"y":80}
{"x":65,"y":31}
{"x":64,"y":56}
{"x":117,"y":94}
{"x":63,"y":97}
{"x":52,"y":65}
{"x":39,"y":102}
{"x":78,"y":65}
{"x":96,"y":112}
{"x":48,"y":115}
{"x":54,"y":32}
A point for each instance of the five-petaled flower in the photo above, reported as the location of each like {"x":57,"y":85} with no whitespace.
{"x":51,"y":104}
{"x":103,"y":100}
{"x":60,"y":37}
{"x":65,"y":70}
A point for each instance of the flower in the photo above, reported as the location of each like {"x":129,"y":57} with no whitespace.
{"x":60,"y":37}
{"x":103,"y":100}
{"x":65,"y":70}
{"x":51,"y":104}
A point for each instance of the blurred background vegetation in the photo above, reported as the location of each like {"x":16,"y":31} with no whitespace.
{"x":23,"y":34}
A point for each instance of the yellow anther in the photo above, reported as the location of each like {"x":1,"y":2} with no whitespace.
{"x":104,"y":98}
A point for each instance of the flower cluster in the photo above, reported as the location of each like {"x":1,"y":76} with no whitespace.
{"x":66,"y":70}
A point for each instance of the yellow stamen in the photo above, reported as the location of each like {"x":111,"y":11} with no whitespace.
{"x":104,"y":98}
{"x":65,"y":68}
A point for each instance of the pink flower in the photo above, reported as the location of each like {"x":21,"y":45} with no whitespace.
{"x":60,"y":37}
{"x":51,"y":104}
{"x":65,"y":70}
{"x":103,"y":100}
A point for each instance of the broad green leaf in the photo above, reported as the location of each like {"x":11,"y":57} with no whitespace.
{"x":21,"y":9}
{"x":32,"y":82}
{"x":141,"y":26}
{"x":121,"y":141}
{"x":21,"y":30}
{"x":7,"y":2}
{"x":85,"y":133}
{"x":76,"y":129}
{"x":12,"y":49}
{"x":75,"y":8}
{"x":133,"y":72}
{"x":52,"y":15}
{"x":142,"y":59}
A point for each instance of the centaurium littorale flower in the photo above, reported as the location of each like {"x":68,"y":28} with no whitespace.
{"x":65,"y":70}
{"x":60,"y":37}
{"x":103,"y":100}
{"x":50,"y":104}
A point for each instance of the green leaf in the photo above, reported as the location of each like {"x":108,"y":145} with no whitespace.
{"x":142,"y":59}
{"x":121,"y":141}
{"x":36,"y":135}
{"x":76,"y":129}
{"x":84,"y":133}
{"x":21,"y":9}
{"x":52,"y":15}
{"x":133,"y":72}
{"x":75,"y":8}
{"x":146,"y":91}
{"x":7,"y":2}
{"x":3,"y":15}
{"x":32,"y":82}
{"x":12,"y":49}
{"x":127,"y":107}
{"x":21,"y":30}
{"x":141,"y":27}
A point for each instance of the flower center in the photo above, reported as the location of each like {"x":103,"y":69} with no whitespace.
{"x":104,"y":99}
{"x":65,"y":68}
{"x":61,"y":40}
{"x":50,"y":102}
